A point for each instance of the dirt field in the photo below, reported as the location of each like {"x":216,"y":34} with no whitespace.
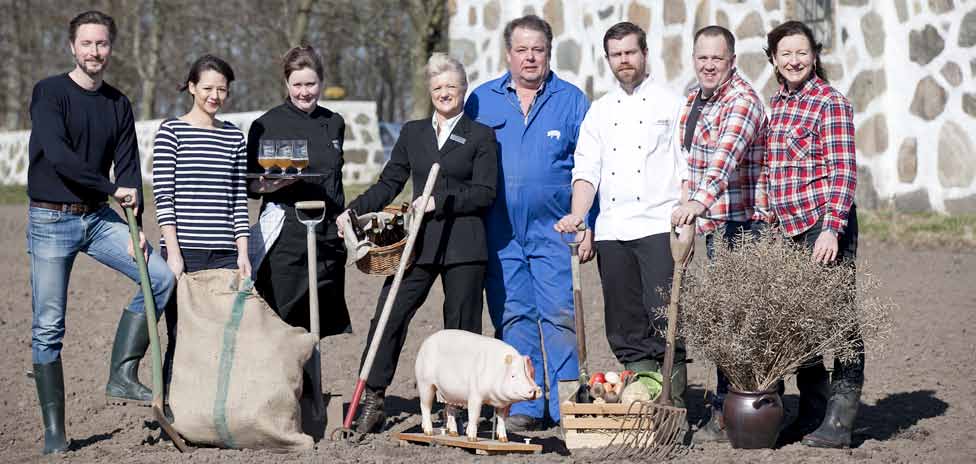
{"x":917,"y":404}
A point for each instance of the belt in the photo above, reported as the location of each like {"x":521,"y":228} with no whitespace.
{"x":71,"y":208}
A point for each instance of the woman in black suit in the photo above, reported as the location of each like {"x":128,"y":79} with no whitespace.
{"x":452,"y":242}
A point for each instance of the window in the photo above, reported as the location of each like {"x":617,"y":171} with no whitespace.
{"x":819,"y":15}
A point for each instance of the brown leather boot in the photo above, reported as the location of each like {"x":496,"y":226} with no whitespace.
{"x":373,"y":418}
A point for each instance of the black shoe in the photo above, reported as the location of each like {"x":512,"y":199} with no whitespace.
{"x":50,"y":394}
{"x":372,"y":419}
{"x":131,"y":342}
{"x":713,"y":430}
{"x":523,"y":423}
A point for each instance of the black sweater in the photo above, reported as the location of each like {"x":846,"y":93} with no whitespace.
{"x":76,"y":135}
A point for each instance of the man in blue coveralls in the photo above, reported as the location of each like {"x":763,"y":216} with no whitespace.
{"x":536,"y":117}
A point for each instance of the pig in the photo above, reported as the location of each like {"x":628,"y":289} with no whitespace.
{"x":463,"y":369}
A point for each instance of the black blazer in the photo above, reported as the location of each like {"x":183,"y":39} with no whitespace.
{"x":455,"y":231}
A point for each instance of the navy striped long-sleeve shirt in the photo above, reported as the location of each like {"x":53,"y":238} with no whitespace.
{"x":200,"y":184}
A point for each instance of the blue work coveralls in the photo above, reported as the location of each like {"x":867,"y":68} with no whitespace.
{"x":529,"y":279}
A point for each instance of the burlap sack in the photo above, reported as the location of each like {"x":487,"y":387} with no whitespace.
{"x":237,"y":369}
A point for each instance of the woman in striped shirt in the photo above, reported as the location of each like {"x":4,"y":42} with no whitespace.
{"x":809,"y":184}
{"x":199,"y":183}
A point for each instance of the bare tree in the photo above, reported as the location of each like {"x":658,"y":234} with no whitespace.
{"x":147,"y":61}
{"x":300,"y":27}
{"x":376,"y":49}
{"x":10,"y":38}
{"x":429,"y":19}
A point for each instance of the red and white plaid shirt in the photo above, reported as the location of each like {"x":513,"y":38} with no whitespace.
{"x":726,"y":154}
{"x":811,"y":170}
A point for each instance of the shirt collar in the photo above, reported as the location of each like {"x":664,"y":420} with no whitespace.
{"x":723,"y":87}
{"x":810,"y":85}
{"x":542,"y":88}
{"x":296,"y":109}
{"x":448,"y":124}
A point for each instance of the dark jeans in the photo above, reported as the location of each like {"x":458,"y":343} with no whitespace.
{"x":852,"y":374}
{"x":633,"y":273}
{"x":732,"y":232}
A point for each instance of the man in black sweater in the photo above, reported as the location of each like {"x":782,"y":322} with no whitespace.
{"x":81,"y":126}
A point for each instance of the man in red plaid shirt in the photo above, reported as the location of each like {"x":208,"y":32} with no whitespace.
{"x":722,"y":130}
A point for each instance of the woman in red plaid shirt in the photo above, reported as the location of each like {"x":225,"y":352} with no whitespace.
{"x":809,"y":184}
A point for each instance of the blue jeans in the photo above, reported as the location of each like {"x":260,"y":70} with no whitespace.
{"x":54,"y":239}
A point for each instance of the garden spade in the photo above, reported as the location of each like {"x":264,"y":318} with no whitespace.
{"x":155,"y":352}
{"x":346,"y":431}
{"x":582,"y":391}
{"x":314,"y":366}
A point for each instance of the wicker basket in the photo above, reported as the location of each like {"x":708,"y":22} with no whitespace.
{"x":383,"y":260}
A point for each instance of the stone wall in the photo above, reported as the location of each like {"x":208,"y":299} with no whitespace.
{"x":908,"y":67}
{"x":363,"y":151}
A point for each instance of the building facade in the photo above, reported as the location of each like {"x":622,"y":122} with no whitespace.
{"x":908,"y":67}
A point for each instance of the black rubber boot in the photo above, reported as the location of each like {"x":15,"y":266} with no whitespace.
{"x":845,"y":398}
{"x":131,"y":342}
{"x":713,"y":430}
{"x":373,"y":418}
{"x":50,"y":394}
{"x":838,"y":425}
{"x":523,"y":423}
{"x":814,"y":385}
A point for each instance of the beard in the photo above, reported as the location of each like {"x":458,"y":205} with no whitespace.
{"x":92,"y":68}
{"x":629,"y":75}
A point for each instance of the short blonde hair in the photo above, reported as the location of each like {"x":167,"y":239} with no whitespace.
{"x":440,"y":63}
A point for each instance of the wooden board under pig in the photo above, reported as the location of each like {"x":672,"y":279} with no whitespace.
{"x":482,"y":446}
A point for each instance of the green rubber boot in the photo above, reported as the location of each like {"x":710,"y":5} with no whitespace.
{"x":131,"y":342}
{"x":50,"y":394}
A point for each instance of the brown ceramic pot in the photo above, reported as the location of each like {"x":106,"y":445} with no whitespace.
{"x":752,"y":419}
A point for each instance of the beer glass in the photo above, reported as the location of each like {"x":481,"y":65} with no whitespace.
{"x":283,"y":159}
{"x":299,"y":154}
{"x":267,"y":154}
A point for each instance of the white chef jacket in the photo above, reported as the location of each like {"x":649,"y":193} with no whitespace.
{"x":629,"y":150}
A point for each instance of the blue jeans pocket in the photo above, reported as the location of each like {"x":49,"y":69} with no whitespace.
{"x":44,"y":216}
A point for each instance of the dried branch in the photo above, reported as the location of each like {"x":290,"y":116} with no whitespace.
{"x":761,"y":311}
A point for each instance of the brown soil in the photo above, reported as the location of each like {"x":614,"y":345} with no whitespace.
{"x":917,"y":404}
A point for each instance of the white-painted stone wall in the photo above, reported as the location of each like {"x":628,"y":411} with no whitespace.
{"x":908,"y":66}
{"x":362,"y":149}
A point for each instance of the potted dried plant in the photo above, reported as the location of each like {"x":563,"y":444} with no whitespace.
{"x":764,"y":309}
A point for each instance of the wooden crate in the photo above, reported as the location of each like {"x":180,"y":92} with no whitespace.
{"x":596,"y":425}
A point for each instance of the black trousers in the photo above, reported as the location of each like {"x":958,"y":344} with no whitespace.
{"x":463,"y":305}
{"x":853,"y":373}
{"x":636,"y":277}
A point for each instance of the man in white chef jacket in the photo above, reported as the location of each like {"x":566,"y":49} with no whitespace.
{"x":628,"y":152}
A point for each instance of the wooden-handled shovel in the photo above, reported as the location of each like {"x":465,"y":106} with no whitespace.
{"x":314,"y":366}
{"x":415,"y":222}
{"x":155,"y":352}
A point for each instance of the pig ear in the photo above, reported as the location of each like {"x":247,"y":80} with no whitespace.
{"x":529,"y":368}
{"x":508,"y":359}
